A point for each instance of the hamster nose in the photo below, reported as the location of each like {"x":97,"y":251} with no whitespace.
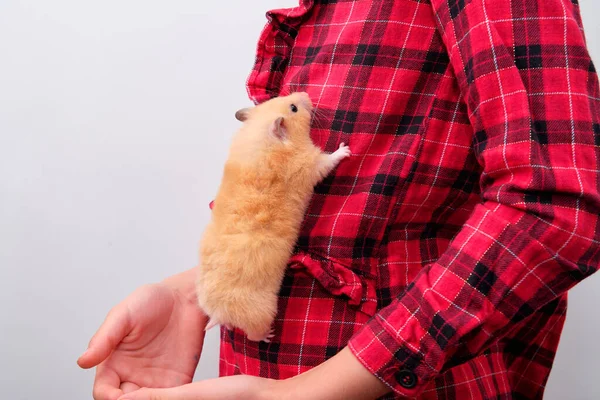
{"x":305,"y":99}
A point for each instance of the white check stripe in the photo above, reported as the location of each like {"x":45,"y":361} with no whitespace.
{"x":548,"y":167}
{"x":245,"y":356}
{"x":486,"y":379}
{"x":504,"y":20}
{"x":373,"y":21}
{"x":502,"y":369}
{"x":319,"y":321}
{"x":312,"y":288}
{"x":347,"y":214}
{"x":371,"y":89}
{"x":523,"y":91}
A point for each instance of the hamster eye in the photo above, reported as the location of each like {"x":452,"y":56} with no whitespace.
{"x":294,"y":108}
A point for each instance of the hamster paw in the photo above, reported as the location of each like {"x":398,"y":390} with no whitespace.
{"x":264,"y":335}
{"x":342,"y":152}
{"x":270,"y":335}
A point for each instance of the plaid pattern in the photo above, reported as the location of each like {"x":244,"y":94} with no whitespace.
{"x":442,"y":250}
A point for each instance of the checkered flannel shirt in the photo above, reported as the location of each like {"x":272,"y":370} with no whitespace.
{"x":441,"y":252}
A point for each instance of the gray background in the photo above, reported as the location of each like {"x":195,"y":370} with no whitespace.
{"x":115,"y":118}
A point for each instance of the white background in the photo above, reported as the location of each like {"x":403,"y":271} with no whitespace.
{"x":115,"y":118}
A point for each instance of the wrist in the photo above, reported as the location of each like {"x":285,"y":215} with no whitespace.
{"x":183,"y":284}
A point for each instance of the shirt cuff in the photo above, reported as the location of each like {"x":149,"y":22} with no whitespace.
{"x":402,"y":368}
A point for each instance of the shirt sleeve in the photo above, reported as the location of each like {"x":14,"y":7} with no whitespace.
{"x":532,"y":95}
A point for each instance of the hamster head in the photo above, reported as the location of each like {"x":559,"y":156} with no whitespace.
{"x":282,"y":119}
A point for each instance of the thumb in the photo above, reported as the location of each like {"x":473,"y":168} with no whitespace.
{"x":112,"y":331}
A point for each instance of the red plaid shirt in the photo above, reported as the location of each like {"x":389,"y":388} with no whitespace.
{"x":441,"y":252}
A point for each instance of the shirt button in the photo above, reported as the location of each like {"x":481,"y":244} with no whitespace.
{"x":407,"y":379}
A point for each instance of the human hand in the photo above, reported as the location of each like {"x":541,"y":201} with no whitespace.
{"x":152,"y":339}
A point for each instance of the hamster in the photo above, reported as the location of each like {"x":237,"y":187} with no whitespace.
{"x":268,"y":180}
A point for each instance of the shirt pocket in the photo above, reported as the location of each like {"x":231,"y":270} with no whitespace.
{"x":340,"y":281}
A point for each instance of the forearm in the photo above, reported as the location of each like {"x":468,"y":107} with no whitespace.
{"x":342,"y":377}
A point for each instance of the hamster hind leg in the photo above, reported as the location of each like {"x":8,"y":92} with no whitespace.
{"x":258,"y":324}
{"x":264,"y":336}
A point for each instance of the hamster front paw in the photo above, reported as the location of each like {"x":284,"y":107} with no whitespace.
{"x":342,"y":152}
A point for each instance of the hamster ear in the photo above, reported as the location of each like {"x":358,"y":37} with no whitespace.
{"x":242,"y":114}
{"x":277,"y":129}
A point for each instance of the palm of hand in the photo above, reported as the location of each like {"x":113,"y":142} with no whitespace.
{"x":161,"y":347}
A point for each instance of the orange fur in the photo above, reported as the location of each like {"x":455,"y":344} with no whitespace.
{"x":267,"y":182}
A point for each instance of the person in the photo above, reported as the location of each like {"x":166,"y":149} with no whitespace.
{"x":435,"y":262}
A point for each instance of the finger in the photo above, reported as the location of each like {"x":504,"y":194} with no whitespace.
{"x":114,"y":328}
{"x":128,"y":387}
{"x":106,"y":384}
